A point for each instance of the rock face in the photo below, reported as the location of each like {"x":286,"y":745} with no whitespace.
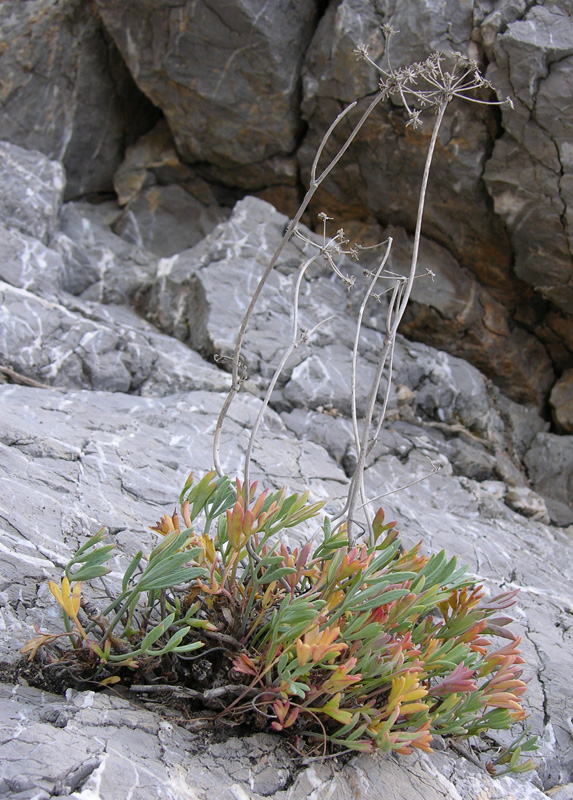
{"x":226,"y":76}
{"x":245,"y":92}
{"x":522,"y":162}
{"x":530,"y":173}
{"x":64,"y":90}
{"x":139,"y":754}
{"x":110,"y":316}
{"x":382,"y":180}
{"x":389,"y":157}
{"x":156,"y":220}
{"x":117,"y":410}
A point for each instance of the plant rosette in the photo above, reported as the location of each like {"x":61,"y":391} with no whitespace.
{"x":357,"y":648}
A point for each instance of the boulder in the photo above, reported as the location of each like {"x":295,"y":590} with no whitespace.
{"x":561,"y":401}
{"x":221,"y":272}
{"x":227,"y":266}
{"x":530,"y":172}
{"x":28,"y":264}
{"x":166,"y":220}
{"x":66,"y":91}
{"x":75,"y":344}
{"x":100,"y":265}
{"x":549,"y":462}
{"x":528,"y":503}
{"x":31,"y":191}
{"x":227,"y":78}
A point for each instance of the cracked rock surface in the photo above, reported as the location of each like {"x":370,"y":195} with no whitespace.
{"x":533,"y":61}
{"x":105,"y":414}
{"x":96,"y":746}
{"x":183,"y":107}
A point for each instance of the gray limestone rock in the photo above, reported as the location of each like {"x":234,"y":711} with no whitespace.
{"x":82,"y":269}
{"x":66,"y":91}
{"x":521,"y":424}
{"x":74,"y":344}
{"x":549,"y":462}
{"x":28,"y":264}
{"x":99,"y":265}
{"x":528,"y":503}
{"x":90,"y":745}
{"x":166,"y":220}
{"x":530,"y":172}
{"x":236,"y":111}
{"x":225,"y":76}
{"x":317,"y":426}
{"x":31,"y":191}
{"x":472,"y":461}
{"x":561,"y":401}
{"x":221,"y":272}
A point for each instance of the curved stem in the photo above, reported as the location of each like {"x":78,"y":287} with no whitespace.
{"x":367,"y":296}
{"x":418,"y":231}
{"x":388,"y":347}
{"x":315,"y":183}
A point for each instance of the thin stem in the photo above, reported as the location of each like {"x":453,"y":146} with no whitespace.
{"x":388,"y":386}
{"x":418,"y":231}
{"x":290,"y":349}
{"x":365,"y":300}
{"x":363,"y":449}
{"x":324,"y":141}
{"x":362,"y":443}
{"x":402,"y":302}
{"x":350,"y":139}
{"x":315,"y":183}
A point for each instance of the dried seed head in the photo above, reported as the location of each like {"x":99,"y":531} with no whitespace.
{"x":388,"y":30}
{"x":361,"y":52}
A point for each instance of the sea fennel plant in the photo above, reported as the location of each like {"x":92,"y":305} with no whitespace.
{"x":348,"y":644}
{"x":359,"y":648}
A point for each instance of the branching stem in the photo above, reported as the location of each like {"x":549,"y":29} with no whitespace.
{"x":419,"y":86}
{"x":401,"y":296}
{"x":314,"y":184}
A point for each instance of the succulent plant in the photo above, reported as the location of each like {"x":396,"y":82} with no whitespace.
{"x":361,"y":648}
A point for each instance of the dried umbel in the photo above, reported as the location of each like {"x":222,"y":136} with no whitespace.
{"x":428,"y":84}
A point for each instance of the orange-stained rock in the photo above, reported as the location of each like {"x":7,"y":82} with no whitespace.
{"x":561,"y":402}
